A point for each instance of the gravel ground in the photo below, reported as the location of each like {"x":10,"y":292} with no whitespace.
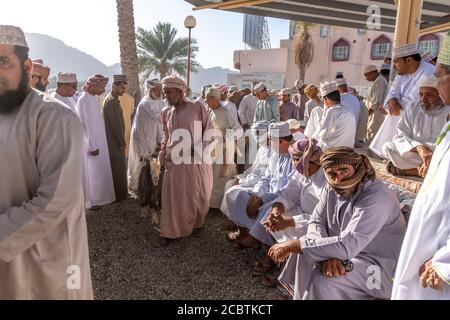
{"x":126,"y":264}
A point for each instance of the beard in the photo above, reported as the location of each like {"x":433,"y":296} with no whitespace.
{"x":13,"y":99}
{"x":41,"y":87}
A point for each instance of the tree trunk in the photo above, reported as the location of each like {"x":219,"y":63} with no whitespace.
{"x":128,"y":50}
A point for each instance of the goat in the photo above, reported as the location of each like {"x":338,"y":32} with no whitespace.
{"x":149,"y":190}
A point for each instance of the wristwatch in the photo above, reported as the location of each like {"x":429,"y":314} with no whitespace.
{"x":348,"y":264}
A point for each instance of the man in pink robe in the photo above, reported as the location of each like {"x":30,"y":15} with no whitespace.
{"x":187,"y":185}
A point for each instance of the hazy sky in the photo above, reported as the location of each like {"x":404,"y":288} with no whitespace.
{"x":91,"y":25}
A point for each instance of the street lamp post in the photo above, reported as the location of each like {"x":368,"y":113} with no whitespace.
{"x":189,"y":23}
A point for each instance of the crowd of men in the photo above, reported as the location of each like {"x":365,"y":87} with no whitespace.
{"x":306,"y":197}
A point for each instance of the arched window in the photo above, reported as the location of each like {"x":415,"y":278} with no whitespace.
{"x":341,"y":50}
{"x":381,"y":47}
{"x":429,"y":42}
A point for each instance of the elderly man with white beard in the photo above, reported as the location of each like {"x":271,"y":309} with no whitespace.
{"x":411,"y":151}
{"x":423,"y":270}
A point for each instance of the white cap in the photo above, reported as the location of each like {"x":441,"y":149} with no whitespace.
{"x":385,"y":66}
{"x":260,"y":87}
{"x":429,"y":81}
{"x":66,"y":77}
{"x":370,"y":68}
{"x":405,"y":50}
{"x":294,"y":124}
{"x":285,"y":91}
{"x":299,"y":84}
{"x":280,"y":130}
{"x":327,"y":87}
{"x":261,"y":125}
{"x":153,"y":83}
{"x":11,"y":35}
{"x":428,"y":56}
{"x":341,"y":82}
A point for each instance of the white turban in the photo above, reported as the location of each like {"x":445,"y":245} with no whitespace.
{"x":341,"y":82}
{"x":327,"y":87}
{"x":405,"y":50}
{"x":370,"y":68}
{"x":280,"y":130}
{"x":260,"y":87}
{"x":153,"y":83}
{"x":173,"y":81}
{"x":299,"y":84}
{"x":428,"y":81}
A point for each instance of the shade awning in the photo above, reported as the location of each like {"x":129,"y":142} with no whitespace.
{"x":344,"y":13}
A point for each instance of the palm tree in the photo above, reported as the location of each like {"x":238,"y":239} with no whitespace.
{"x":303,"y":47}
{"x":162,"y":53}
{"x":128,"y":50}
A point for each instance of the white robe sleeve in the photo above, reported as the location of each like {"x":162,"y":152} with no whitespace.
{"x":263,"y":186}
{"x":394,"y":92}
{"x":404,"y":141}
{"x":59,"y":159}
{"x":289,"y":196}
{"x":83,"y":113}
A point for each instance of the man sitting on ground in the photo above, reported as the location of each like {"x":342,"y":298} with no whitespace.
{"x":412,"y":149}
{"x":355,"y":233}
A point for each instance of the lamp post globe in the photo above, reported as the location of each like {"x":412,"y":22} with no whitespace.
{"x":190,"y":22}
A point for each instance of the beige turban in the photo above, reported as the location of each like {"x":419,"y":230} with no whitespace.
{"x":11,"y":35}
{"x":369,"y":69}
{"x":213,"y":92}
{"x":36,"y":70}
{"x":173,"y":81}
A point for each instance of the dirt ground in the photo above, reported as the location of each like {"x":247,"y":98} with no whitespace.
{"x":126,"y":264}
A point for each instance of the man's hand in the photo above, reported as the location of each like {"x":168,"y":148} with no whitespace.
{"x":281,"y":252}
{"x":277,"y":221}
{"x":246,"y":126}
{"x":254,"y":203}
{"x":371,"y":111}
{"x":429,"y":277}
{"x":395,"y":107}
{"x":332,"y":268}
{"x":94,"y":153}
{"x":425,"y":153}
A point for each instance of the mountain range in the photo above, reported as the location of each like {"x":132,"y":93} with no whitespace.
{"x":61,"y":57}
